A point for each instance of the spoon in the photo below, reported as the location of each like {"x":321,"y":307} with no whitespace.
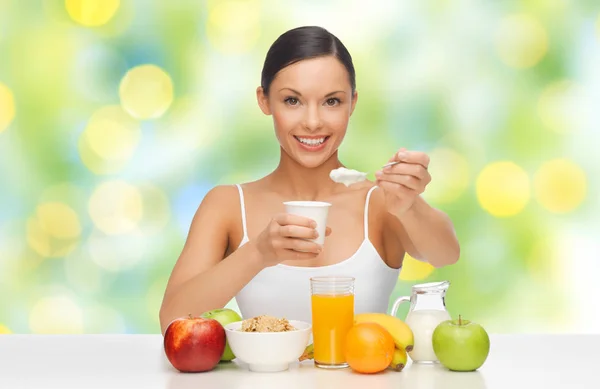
{"x":390,"y":164}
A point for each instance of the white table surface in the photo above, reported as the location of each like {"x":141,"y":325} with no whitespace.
{"x":138,"y":361}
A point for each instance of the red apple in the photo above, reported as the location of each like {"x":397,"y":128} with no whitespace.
{"x":194,"y":344}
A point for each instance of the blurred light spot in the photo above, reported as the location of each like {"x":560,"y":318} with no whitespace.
{"x":112,"y":134}
{"x":102,"y":319}
{"x":56,"y":315}
{"x":233,"y":26}
{"x":115,"y":207}
{"x":97,"y":164}
{"x":117,"y":252}
{"x":521,"y":41}
{"x":560,"y":185}
{"x":413,"y":269}
{"x":562,"y":107}
{"x":191,"y":125}
{"x":4,"y":329}
{"x":449,"y":175}
{"x":7,"y":107}
{"x":82,"y":273}
{"x":503,"y":189}
{"x":156,"y":208}
{"x":109,"y":140}
{"x":92,"y":13}
{"x":146,"y":92}
{"x":54,"y":230}
{"x":59,"y":220}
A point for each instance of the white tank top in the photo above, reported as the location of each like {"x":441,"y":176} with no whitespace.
{"x":284,"y":290}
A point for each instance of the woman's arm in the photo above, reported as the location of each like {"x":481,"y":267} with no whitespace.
{"x":201,"y":279}
{"x":426,"y":233}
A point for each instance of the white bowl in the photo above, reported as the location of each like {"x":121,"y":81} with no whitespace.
{"x":268,"y":351}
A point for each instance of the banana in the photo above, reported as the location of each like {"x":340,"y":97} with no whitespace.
{"x":399,"y":360}
{"x":400,"y":331}
{"x":309,"y":353}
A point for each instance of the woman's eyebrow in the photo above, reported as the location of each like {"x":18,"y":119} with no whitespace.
{"x":333,"y":93}
{"x":295,"y":91}
{"x":300,"y":94}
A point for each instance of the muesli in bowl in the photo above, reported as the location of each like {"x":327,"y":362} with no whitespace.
{"x":267,"y":343}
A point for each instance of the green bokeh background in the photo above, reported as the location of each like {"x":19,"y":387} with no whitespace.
{"x":502,"y":95}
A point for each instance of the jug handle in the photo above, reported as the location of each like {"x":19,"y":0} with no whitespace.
{"x":397,"y":303}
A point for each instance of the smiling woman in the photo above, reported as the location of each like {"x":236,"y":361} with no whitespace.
{"x":243,"y":245}
{"x":308,"y":85}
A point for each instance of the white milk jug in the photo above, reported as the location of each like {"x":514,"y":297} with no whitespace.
{"x":427,"y":310}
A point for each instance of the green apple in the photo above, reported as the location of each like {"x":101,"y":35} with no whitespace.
{"x":224,"y":316}
{"x":461,"y":345}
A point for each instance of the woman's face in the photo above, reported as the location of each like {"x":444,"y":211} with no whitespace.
{"x":311,"y":102}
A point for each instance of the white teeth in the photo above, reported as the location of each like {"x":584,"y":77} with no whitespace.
{"x":311,"y":142}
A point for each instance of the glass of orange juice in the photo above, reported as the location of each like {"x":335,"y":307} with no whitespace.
{"x":332,"y":317}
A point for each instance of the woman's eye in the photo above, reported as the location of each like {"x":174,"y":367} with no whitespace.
{"x":291,"y":100}
{"x":332,"y":101}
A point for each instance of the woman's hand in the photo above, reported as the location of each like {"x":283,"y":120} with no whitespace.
{"x":404,"y":182}
{"x":287,"y":237}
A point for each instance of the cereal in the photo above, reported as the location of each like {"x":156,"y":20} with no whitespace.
{"x":265,"y":323}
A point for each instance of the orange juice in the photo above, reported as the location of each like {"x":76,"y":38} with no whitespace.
{"x":332,"y":318}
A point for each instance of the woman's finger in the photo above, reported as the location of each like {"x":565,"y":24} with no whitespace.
{"x":302,"y":245}
{"x":410,"y":169}
{"x":299,"y":255}
{"x":293,"y":231}
{"x":410,"y":182}
{"x":393,"y":187}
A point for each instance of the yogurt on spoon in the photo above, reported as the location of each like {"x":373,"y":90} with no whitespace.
{"x":346,"y":176}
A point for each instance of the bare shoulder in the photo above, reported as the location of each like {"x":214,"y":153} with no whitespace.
{"x":221,"y":198}
{"x":217,"y":207}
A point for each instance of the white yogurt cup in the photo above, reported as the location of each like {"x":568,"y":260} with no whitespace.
{"x":315,"y":210}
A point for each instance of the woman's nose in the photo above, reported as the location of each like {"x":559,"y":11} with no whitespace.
{"x":312,"y":119}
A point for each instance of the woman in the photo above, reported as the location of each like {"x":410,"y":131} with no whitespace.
{"x":242,"y":244}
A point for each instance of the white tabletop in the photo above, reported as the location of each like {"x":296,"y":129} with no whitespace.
{"x":138,"y":361}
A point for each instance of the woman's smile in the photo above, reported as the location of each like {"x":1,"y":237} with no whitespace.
{"x":312,"y":143}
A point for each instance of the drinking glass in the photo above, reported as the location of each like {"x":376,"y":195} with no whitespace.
{"x":332,"y":300}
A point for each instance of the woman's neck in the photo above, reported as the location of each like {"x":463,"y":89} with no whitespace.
{"x":301,"y":183}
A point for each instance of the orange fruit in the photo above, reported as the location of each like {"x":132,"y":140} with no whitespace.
{"x":369,"y":348}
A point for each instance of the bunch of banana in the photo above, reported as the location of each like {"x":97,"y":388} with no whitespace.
{"x":309,"y":353}
{"x":400,"y":331}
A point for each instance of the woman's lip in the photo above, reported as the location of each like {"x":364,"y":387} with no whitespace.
{"x":318,"y":147}
{"x":312,"y":136}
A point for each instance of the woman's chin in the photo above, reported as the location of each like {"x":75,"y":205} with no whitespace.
{"x":312,"y":162}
